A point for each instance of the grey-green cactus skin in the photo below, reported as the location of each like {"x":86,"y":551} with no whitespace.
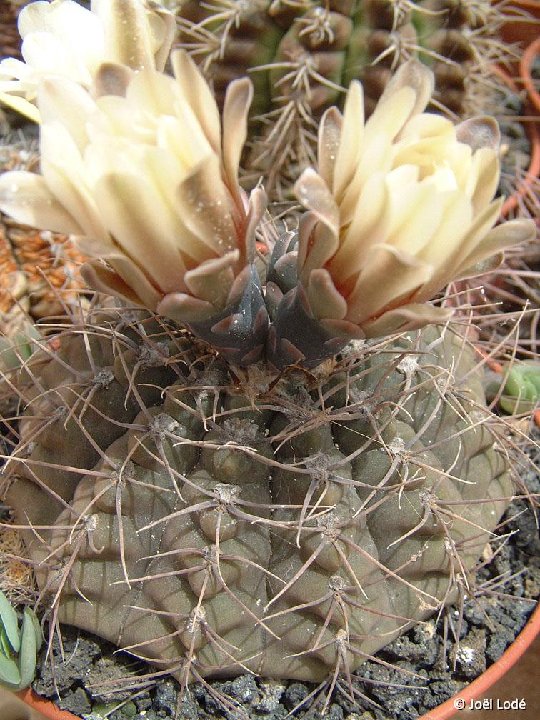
{"x":215,"y":520}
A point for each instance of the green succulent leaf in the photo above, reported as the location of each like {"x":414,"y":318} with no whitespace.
{"x":37,"y":627}
{"x":10,"y":623}
{"x":9,"y":673}
{"x":30,"y":642}
{"x":5,"y":647}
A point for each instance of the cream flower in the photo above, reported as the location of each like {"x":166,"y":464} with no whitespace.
{"x":148,"y":180}
{"x":61,"y":38}
{"x":400,"y":206}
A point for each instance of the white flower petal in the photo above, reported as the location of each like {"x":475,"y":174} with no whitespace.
{"x":459,"y":252}
{"x":425,"y":126}
{"x":483,"y":178}
{"x":184,"y":308}
{"x":317,"y":248}
{"x":163,"y":173}
{"x":212,"y":280}
{"x":128,"y":38}
{"x":65,"y":102}
{"x":116,"y":117}
{"x":414,"y":75}
{"x":324,"y":300}
{"x":479,"y":132}
{"x":389,"y":277}
{"x":27,"y":198}
{"x":62,"y":169}
{"x":390,"y":115}
{"x":21,"y":105}
{"x":235,"y":113}
{"x":416,"y":226}
{"x":143,"y":226}
{"x":456,"y":219}
{"x":330,"y":128}
{"x":513,"y":232}
{"x":171,"y":133}
{"x":13,"y":68}
{"x":352,"y":133}
{"x":369,"y":225}
{"x":47,"y":54}
{"x":59,"y":16}
{"x":206,"y":207}
{"x":123,"y":279}
{"x":198,"y":96}
{"x":162,"y":26}
{"x":376,"y":157}
{"x":152,"y":93}
{"x":411,"y":316}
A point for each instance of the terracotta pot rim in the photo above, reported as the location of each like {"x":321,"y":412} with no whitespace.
{"x":523,"y":188}
{"x":532,"y":128}
{"x":488,"y":678}
{"x":519,"y":27}
{"x":525,"y":67}
{"x":531,"y":5}
{"x":47,"y":708}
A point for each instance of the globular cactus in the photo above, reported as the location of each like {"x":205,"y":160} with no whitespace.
{"x":302,"y":56}
{"x":212,"y":525}
{"x":285,"y":458}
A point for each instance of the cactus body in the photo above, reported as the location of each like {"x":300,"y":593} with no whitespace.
{"x":302,"y":56}
{"x":214,"y":523}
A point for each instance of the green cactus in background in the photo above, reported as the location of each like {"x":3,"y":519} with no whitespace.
{"x":302,"y":56}
{"x":19,"y":645}
{"x":271,"y":452}
{"x":517,"y":388}
{"x":17,"y":349}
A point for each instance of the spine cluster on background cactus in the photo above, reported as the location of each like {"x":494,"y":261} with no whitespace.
{"x":140,"y":166}
{"x":303,"y":55}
